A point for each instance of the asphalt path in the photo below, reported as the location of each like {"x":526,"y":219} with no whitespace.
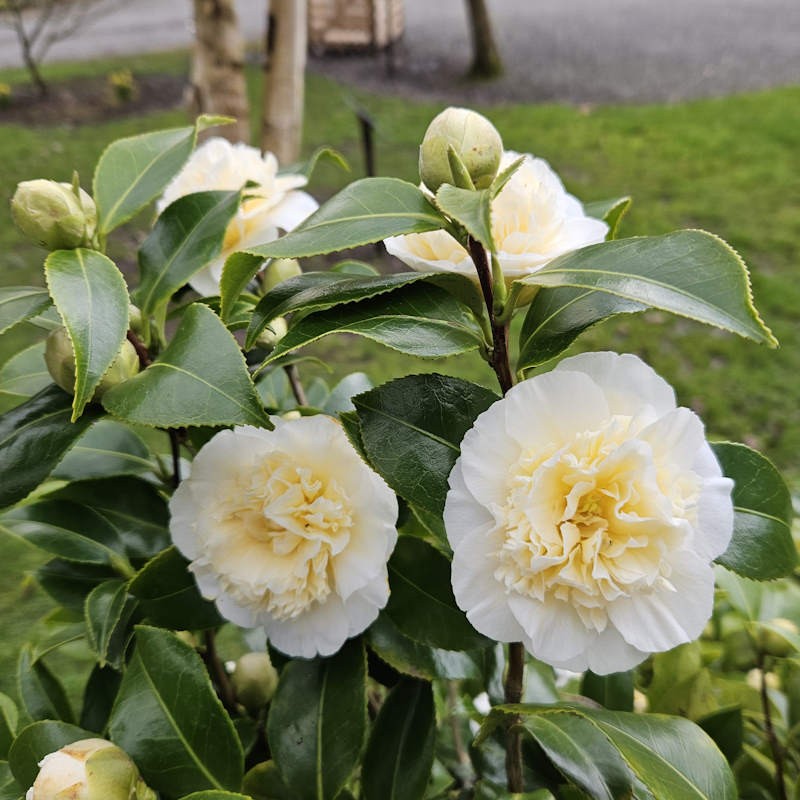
{"x":571,"y":50}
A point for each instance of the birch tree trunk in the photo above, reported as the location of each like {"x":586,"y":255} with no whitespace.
{"x":284,"y":80}
{"x":486,"y":61}
{"x":218,"y":82}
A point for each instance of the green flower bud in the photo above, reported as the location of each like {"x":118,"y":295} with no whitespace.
{"x":135,"y":320}
{"x":278,"y":271}
{"x":254,"y":680}
{"x":50,"y":214}
{"x":60,"y":359}
{"x":475,"y":141}
{"x":91,"y":769}
{"x":272,"y":334}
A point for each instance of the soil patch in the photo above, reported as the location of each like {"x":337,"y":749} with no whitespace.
{"x":86,"y":100}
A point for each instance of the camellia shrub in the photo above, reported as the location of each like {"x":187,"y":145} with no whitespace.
{"x":555,"y":587}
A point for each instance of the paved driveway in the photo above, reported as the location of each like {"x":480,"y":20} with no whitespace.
{"x":574,"y":50}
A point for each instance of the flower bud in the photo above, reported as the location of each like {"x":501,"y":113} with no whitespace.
{"x":272,"y":334}
{"x":475,"y":141}
{"x":60,"y":359}
{"x":50,"y":214}
{"x":90,"y":769}
{"x":278,"y":271}
{"x":254,"y":680}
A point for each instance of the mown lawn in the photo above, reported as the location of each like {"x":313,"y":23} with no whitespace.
{"x":731,"y":166}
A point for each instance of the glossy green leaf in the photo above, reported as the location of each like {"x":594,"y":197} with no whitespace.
{"x":610,"y":211}
{"x":415,"y":659}
{"x":40,"y":691}
{"x":200,"y":379}
{"x":412,"y":428}
{"x":92,"y":298}
{"x":472,"y":209}
{"x":239,"y":270}
{"x":368,"y":210}
{"x":582,"y":754}
{"x":34,"y":437}
{"x":690,"y":273}
{"x":168,"y":594}
{"x":134,"y":508}
{"x":169,"y":720}
{"x":350,"y":266}
{"x":98,"y":698}
{"x":9,"y":788}
{"x":420,"y":320}
{"x":317,"y":722}
{"x":307,"y":167}
{"x":186,"y":237}
{"x":317,"y":291}
{"x":421,"y":602}
{"x":762,"y":547}
{"x":108,"y":612}
{"x":22,"y":376}
{"x":726,"y":727}
{"x":614,"y":692}
{"x":68,"y":582}
{"x":9,"y":716}
{"x":399,"y":753}
{"x":19,"y":303}
{"x":133,"y":171}
{"x":59,"y":634}
{"x":108,"y":448}
{"x":35,"y":742}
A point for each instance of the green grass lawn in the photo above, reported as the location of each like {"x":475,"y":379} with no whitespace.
{"x":731,"y":166}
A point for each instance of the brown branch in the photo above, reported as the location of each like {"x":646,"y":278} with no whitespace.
{"x":297,"y":387}
{"x":772,"y":737}
{"x":138,"y":345}
{"x":218,"y":674}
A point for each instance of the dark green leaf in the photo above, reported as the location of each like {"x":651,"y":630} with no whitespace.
{"x":472,"y":209}
{"x":168,"y":594}
{"x":9,"y":788}
{"x":415,"y":659}
{"x":317,"y":291}
{"x":421,"y":602}
{"x":412,"y":428}
{"x":350,"y":266}
{"x":41,"y":693}
{"x":200,"y":379}
{"x":306,"y":168}
{"x":614,"y":692}
{"x":22,"y":376}
{"x":92,"y":298}
{"x":133,"y":171}
{"x":108,"y":612}
{"x":68,"y":582}
{"x":421,"y":320}
{"x":98,"y":698}
{"x":690,"y":273}
{"x":8,"y":724}
{"x":107,"y":448}
{"x":610,"y":211}
{"x":33,"y":438}
{"x":368,"y":210}
{"x":582,"y":754}
{"x":35,"y":742}
{"x":19,"y":303}
{"x":239,"y":270}
{"x":399,"y":754}
{"x":170,"y":722}
{"x":762,"y":547}
{"x":317,"y":722}
{"x":186,"y":237}
{"x":726,"y":728}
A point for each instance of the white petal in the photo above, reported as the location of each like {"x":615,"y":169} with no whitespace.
{"x":231,"y":610}
{"x":206,"y":281}
{"x":667,"y":617}
{"x":478,"y":593}
{"x":462,"y":513}
{"x":608,"y":653}
{"x":676,"y":438}
{"x":321,"y":630}
{"x":715,"y":518}
{"x":626,"y":380}
{"x":183,"y":514}
{"x":362,"y":607}
{"x":399,"y":247}
{"x":364,"y":557}
{"x":292,"y":210}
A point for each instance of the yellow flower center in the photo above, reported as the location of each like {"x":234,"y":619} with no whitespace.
{"x":282,"y":528}
{"x":592,"y":521}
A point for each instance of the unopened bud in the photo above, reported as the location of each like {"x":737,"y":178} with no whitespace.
{"x":278,"y":271}
{"x":60,"y":359}
{"x":475,"y":142}
{"x":90,"y":769}
{"x":254,"y":680}
{"x":135,"y":320}
{"x":272,"y":334}
{"x":51,"y":215}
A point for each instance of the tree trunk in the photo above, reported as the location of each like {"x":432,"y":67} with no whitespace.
{"x":284,"y":80}
{"x":218,"y":82}
{"x":486,"y":61}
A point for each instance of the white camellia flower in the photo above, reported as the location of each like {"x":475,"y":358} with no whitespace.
{"x":290,"y":530}
{"x":273,"y":205}
{"x":584,"y":513}
{"x":534,"y":220}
